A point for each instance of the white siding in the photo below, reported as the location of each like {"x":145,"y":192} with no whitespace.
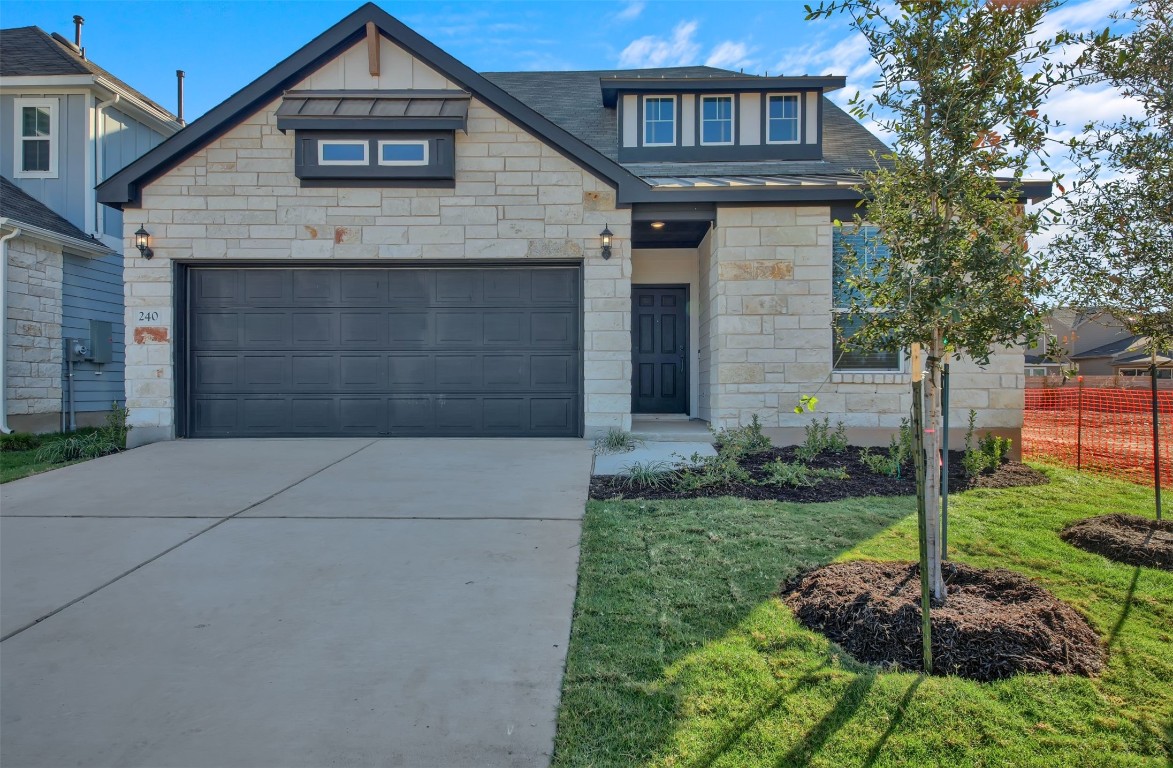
{"x":630,"y":120}
{"x":751,"y":118}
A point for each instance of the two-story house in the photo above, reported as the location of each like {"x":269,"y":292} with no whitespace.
{"x":65,"y":125}
{"x":373,"y":239}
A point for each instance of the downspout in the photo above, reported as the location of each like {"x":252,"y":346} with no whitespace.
{"x":4,"y":428}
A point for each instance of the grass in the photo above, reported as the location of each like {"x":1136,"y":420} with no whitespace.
{"x":681,"y":656}
{"x":17,"y":464}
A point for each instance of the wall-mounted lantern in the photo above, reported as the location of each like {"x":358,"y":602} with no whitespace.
{"x":605,"y":238}
{"x":142,"y":241}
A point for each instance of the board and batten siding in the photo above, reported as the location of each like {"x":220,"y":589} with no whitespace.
{"x":91,"y":289}
{"x":121,"y":141}
{"x":67,"y":193}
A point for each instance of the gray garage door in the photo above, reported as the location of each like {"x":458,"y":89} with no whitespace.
{"x":489,"y":351}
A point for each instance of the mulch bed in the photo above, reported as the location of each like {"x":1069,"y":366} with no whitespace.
{"x":994,"y":624}
{"x":1128,"y":539}
{"x":860,"y":482}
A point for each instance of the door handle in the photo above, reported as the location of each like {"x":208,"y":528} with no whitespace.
{"x":682,"y":363}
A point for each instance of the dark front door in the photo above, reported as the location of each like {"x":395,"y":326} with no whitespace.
{"x":659,"y":349}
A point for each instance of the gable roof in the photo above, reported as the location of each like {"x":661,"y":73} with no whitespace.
{"x":30,"y":51}
{"x":1112,"y":348}
{"x":124,"y":186}
{"x":23,"y":210}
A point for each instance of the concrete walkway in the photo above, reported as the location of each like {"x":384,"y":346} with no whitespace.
{"x":290,"y":603}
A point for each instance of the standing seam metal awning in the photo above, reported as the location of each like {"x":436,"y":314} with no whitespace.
{"x":427,"y":110}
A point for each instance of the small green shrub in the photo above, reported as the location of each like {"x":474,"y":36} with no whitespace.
{"x":656,"y":475}
{"x":20,"y":441}
{"x":617,"y":441}
{"x":820,"y":439}
{"x":88,"y":443}
{"x":796,"y":474}
{"x":991,"y":452}
{"x":879,"y":463}
{"x":742,"y":441}
{"x":708,"y":471}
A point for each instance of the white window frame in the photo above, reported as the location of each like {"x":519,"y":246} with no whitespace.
{"x":675,"y":118}
{"x":53,"y":107}
{"x":412,"y":142}
{"x":1145,"y":373}
{"x":901,"y":357}
{"x":732,"y":120}
{"x":366,"y":152}
{"x":797,"y":119}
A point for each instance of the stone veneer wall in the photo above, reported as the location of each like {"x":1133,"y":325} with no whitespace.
{"x":770,"y":321}
{"x":515,"y":199}
{"x":33,"y":328}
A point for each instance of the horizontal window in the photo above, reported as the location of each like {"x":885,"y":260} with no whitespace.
{"x":660,"y":121}
{"x":339,"y":152}
{"x":1162,"y":373}
{"x":403,"y":153}
{"x":716,"y":120}
{"x":782,"y":119}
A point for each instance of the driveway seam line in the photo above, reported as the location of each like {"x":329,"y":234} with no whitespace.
{"x":196,"y":535}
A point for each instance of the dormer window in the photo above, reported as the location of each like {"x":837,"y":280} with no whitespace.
{"x":716,"y":120}
{"x":782,"y":119}
{"x":403,"y":153}
{"x":660,"y":121}
{"x":339,"y":152}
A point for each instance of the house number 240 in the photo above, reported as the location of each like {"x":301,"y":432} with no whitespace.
{"x":148,"y":317}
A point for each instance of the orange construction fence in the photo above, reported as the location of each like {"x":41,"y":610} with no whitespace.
{"x":1105,"y":431}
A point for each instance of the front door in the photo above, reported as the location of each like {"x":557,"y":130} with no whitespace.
{"x":659,"y":349}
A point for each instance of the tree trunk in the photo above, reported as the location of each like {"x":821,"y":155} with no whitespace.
{"x":932,"y":482}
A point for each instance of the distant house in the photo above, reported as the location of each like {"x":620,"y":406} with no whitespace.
{"x":1069,"y":333}
{"x":1128,"y":357}
{"x":65,"y":125}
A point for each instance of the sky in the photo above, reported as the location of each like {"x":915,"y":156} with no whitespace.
{"x":223,"y":46}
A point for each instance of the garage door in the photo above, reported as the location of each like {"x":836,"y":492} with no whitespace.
{"x":493,"y":351}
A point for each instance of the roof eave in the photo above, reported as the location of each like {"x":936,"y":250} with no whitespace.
{"x":87,"y":246}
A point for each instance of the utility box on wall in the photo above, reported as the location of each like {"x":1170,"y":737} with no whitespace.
{"x":101,"y":341}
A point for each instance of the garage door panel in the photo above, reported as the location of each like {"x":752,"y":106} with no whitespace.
{"x":267,"y":287}
{"x":384,"y":351}
{"x":264,"y":330}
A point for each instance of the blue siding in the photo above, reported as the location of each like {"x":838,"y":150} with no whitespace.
{"x":92,"y":290}
{"x":123,"y":140}
{"x":67,"y":193}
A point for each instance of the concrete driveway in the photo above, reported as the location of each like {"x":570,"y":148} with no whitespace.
{"x":290,"y":603}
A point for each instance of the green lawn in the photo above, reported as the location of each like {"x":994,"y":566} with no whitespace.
{"x":681,"y":655}
{"x":17,"y":464}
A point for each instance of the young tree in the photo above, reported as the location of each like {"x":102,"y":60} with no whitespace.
{"x":960,"y":87}
{"x":1116,"y":252}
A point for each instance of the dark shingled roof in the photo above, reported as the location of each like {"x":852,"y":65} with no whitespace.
{"x":28,"y":51}
{"x":22,"y":208}
{"x":1111,"y":348}
{"x":574,"y":101}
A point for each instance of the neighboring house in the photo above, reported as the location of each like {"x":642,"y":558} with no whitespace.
{"x":1128,"y":357}
{"x":373,"y":239}
{"x":65,"y":124}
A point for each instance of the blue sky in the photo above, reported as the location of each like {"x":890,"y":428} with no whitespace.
{"x":225,"y":45}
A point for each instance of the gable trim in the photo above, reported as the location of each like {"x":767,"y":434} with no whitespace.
{"x":125,"y":187}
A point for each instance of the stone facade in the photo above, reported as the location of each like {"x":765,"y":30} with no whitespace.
{"x":515,"y":199}
{"x":769,"y":337}
{"x":33,"y":328}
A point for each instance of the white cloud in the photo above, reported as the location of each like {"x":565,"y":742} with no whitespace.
{"x":653,"y":51}
{"x":730,"y":55}
{"x":631,"y":11}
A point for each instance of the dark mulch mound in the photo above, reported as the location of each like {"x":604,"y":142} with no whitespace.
{"x":1129,"y":539}
{"x":860,"y":482}
{"x":994,"y":624}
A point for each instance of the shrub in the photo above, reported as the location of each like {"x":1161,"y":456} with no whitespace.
{"x":708,"y":471}
{"x":617,"y":441}
{"x":879,"y":463}
{"x":89,"y":444}
{"x":820,"y":439}
{"x":20,"y":441}
{"x":655,"y":475}
{"x":991,"y":451}
{"x":796,"y":474}
{"x":742,"y":441}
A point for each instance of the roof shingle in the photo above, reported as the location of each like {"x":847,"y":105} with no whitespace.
{"x":22,"y":208}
